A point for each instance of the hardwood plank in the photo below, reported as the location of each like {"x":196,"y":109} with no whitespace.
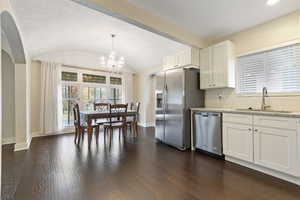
{"x":138,"y":168}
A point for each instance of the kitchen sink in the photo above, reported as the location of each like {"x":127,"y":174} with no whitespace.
{"x":259,"y":110}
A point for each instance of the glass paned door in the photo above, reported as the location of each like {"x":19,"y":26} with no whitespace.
{"x":70,"y":96}
{"x":89,"y":95}
{"x":115,"y":96}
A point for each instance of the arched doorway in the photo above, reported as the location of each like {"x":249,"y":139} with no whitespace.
{"x":12,"y":60}
{"x":14,"y":91}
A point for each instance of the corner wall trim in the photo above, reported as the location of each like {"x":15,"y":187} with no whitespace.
{"x":23,"y":146}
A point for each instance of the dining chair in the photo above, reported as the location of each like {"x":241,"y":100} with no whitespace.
{"x":101,"y":107}
{"x":121,"y":111}
{"x":81,"y":127}
{"x":132,"y":122}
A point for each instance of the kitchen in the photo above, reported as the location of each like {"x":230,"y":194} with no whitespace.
{"x":154,"y":100}
{"x":245,"y":109}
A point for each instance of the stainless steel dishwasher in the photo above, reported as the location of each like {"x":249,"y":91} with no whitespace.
{"x":208,"y":129}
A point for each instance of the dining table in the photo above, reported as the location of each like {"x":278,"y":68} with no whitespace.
{"x":92,"y":115}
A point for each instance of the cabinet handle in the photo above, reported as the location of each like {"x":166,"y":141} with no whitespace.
{"x":256,"y":130}
{"x":249,"y":129}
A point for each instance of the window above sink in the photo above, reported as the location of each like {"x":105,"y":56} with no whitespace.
{"x":277,"y":69}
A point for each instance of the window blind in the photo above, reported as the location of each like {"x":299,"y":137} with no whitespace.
{"x":277,"y":69}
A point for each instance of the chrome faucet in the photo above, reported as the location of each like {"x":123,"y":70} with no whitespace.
{"x":264,"y":106}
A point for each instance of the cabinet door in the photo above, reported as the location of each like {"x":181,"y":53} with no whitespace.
{"x":220,"y":64}
{"x":205,"y":69}
{"x":276,"y":149}
{"x":238,"y":141}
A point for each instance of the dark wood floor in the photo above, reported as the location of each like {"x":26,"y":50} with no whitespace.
{"x":55,"y":169}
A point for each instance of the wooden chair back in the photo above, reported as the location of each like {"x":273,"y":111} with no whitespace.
{"x":121,"y":109}
{"x":76,"y":115}
{"x":136,"y":106}
{"x":101,"y":106}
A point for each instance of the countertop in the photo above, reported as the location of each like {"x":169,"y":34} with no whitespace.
{"x":238,"y":111}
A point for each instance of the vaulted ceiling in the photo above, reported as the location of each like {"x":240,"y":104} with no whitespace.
{"x":64,"y":31}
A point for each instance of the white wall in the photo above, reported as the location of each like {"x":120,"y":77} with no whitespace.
{"x":144,"y":87}
{"x":260,"y":37}
{"x":8,"y":98}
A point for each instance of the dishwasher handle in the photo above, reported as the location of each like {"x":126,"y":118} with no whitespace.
{"x":207,"y":114}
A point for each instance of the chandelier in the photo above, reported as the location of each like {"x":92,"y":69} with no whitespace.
{"x":112,"y":62}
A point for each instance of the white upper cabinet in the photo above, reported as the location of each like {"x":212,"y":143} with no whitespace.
{"x":190,"y":57}
{"x":217,"y":66}
{"x":206,"y":79}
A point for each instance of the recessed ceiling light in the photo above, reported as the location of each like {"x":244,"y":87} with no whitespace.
{"x":272,"y":2}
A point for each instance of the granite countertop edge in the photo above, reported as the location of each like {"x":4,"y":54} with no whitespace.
{"x":228,"y":110}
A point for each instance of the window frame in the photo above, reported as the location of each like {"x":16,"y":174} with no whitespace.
{"x":258,"y":94}
{"x":80,"y":84}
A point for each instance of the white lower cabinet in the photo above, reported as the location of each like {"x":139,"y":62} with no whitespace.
{"x":238,"y":141}
{"x":269,"y":142}
{"x":276,"y":149}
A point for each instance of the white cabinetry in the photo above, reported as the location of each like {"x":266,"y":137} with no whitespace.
{"x":275,"y":143}
{"x":266,"y":141}
{"x":238,"y":141}
{"x":217,"y":66}
{"x":189,"y":57}
{"x":276,"y":149}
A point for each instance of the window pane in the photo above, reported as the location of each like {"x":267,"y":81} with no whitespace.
{"x":101,"y":95}
{"x":115,"y":96}
{"x":69,"y":76}
{"x":86,"y":98}
{"x":70,"y":96}
{"x":115,"y":81}
{"x":90,"y":78}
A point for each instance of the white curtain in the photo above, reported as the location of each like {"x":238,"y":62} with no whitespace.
{"x":127,"y":87}
{"x":51,"y":104}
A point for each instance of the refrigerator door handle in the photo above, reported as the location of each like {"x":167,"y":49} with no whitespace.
{"x":166,"y":98}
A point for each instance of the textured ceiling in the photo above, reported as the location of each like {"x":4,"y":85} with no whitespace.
{"x":59,"y":27}
{"x":211,"y":19}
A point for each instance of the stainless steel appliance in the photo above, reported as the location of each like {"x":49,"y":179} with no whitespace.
{"x":208,"y":128}
{"x":180,"y":90}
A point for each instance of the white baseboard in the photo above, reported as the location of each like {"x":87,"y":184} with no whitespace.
{"x":277,"y":174}
{"x":41,"y":134}
{"x":23,"y":146}
{"x":146,"y":124}
{"x":9,"y":140}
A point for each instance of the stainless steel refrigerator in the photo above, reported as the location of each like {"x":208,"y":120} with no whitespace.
{"x":176,"y":91}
